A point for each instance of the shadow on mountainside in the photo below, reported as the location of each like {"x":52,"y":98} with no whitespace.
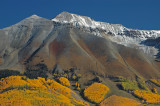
{"x":153,"y":43}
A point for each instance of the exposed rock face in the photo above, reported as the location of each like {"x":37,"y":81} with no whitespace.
{"x":115,"y":29}
{"x":71,"y":40}
{"x":120,"y":34}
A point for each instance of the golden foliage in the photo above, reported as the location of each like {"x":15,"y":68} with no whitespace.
{"x":77,"y":86}
{"x":142,"y":84}
{"x":11,"y":81}
{"x":147,"y":96}
{"x":18,"y":91}
{"x":32,"y":98}
{"x":130,"y":85}
{"x":64,"y":81}
{"x":121,"y":79}
{"x":115,"y":100}
{"x":156,"y":81}
{"x":154,"y":90}
{"x":134,"y":85}
{"x":96,"y":92}
{"x":74,"y":77}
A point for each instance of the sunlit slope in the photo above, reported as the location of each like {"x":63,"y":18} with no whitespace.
{"x":70,"y":47}
{"x":19,"y":90}
{"x":37,"y":40}
{"x":115,"y":100}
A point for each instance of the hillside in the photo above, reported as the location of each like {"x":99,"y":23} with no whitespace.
{"x":38,"y":54}
{"x":19,"y":90}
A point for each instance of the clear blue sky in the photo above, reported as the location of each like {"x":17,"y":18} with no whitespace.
{"x":137,"y":14}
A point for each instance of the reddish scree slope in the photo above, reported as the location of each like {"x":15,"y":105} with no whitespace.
{"x":92,"y":54}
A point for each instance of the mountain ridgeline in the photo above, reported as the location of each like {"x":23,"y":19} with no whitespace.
{"x":72,"y":41}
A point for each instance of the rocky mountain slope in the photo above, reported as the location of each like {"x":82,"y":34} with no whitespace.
{"x":70,"y":40}
{"x":122,"y":35}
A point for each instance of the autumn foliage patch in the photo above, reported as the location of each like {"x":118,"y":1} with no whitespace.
{"x":115,"y":100}
{"x":64,"y":81}
{"x":147,"y":96}
{"x":156,"y":81}
{"x":19,"y":90}
{"x":96,"y":92}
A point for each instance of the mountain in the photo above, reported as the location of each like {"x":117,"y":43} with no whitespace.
{"x":93,"y":62}
{"x":73,"y":41}
{"x":122,"y":35}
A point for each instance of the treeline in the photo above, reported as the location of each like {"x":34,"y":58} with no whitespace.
{"x":5,"y":73}
{"x":39,"y":70}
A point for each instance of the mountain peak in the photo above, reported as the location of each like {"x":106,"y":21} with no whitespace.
{"x":34,"y":16}
{"x":64,"y":17}
{"x":76,"y":20}
{"x":65,"y":13}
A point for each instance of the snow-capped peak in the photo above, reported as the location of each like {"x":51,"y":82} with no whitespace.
{"x":115,"y":29}
{"x":78,"y":20}
{"x":66,"y":17}
{"x":120,"y":34}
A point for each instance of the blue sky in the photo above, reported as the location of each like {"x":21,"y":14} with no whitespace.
{"x":137,"y":14}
